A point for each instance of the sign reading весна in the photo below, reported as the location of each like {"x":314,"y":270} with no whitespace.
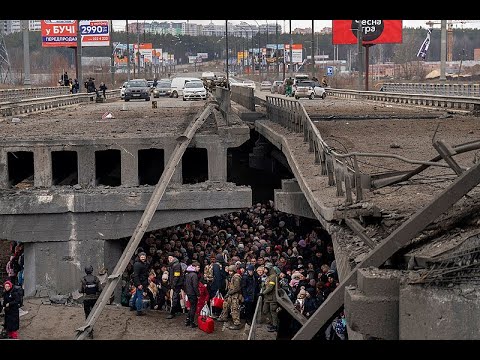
{"x":373,"y":31}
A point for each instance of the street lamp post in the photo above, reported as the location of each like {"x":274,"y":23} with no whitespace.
{"x":291,"y":46}
{"x":313,"y":50}
{"x":26,"y":53}
{"x":266,"y":48}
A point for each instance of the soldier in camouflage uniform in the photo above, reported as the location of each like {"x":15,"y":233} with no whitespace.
{"x":269,"y":297}
{"x":233,"y":298}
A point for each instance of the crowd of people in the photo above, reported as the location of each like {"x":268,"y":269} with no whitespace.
{"x":218,"y":267}
{"x":11,"y":293}
{"x":236,"y":258}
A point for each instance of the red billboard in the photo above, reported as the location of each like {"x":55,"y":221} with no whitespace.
{"x":374,"y":31}
{"x":59,"y":33}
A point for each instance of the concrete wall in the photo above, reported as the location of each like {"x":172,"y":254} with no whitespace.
{"x":371,"y":307}
{"x":434,"y":313}
{"x":57,"y":268}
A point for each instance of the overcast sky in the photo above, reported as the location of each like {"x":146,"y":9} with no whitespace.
{"x":319,"y":24}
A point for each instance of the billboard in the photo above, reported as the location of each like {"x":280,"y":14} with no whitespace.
{"x":95,"y":32}
{"x":374,"y":31}
{"x":63,"y":33}
{"x":297,"y":53}
{"x":203,"y":55}
{"x":120,"y":54}
{"x":57,"y":33}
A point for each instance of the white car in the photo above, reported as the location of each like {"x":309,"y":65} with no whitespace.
{"x":122,"y":90}
{"x":309,"y":89}
{"x":194,"y":90}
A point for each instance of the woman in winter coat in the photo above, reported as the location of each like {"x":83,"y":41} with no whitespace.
{"x":204,"y":296}
{"x":11,"y":306}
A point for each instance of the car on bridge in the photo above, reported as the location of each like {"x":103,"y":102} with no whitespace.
{"x":122,"y":90}
{"x":163,"y":88}
{"x":194,"y":90}
{"x":309,"y":89}
{"x":265,"y":85}
{"x":275,"y":86}
{"x":137,"y":89}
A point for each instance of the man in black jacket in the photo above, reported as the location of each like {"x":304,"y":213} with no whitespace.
{"x":91,"y":288}
{"x":177,"y":280}
{"x":192,"y":291}
{"x":140,"y":280}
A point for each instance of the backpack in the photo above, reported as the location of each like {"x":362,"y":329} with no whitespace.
{"x":208,"y":273}
{"x":19,"y":290}
{"x":91,"y":287}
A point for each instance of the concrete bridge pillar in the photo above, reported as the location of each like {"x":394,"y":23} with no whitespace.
{"x":3,"y":170}
{"x":371,"y":308}
{"x":129,"y":171}
{"x":53,"y":268}
{"x":177,"y":177}
{"x":42,"y":167}
{"x":86,"y":166}
{"x":259,"y":157}
{"x":217,"y":162}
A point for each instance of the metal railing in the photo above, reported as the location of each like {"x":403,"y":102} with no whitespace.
{"x":342,"y":169}
{"x":444,"y":101}
{"x":435,"y":89}
{"x":22,"y":106}
{"x":9,"y":95}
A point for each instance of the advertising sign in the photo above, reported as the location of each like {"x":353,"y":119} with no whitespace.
{"x":373,"y":31}
{"x":95,"y":32}
{"x":145,"y":52}
{"x":297,"y":53}
{"x":120,"y":54}
{"x":203,"y":55}
{"x":57,"y":33}
{"x":157,"y":56}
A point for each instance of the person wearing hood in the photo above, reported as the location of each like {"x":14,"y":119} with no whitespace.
{"x":192,"y":291}
{"x":11,"y":305}
{"x":177,"y":280}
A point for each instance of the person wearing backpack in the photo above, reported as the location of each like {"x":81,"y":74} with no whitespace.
{"x":11,"y":306}
{"x":91,"y":290}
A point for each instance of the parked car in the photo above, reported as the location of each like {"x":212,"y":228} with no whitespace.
{"x":310,"y":89}
{"x":137,"y":89}
{"x":162,"y":89}
{"x":265,"y":85}
{"x":122,"y":90}
{"x":194,"y":90}
{"x":274,"y":88}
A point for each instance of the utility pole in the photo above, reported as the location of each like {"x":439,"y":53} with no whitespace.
{"x":360,"y":55}
{"x":26,"y":53}
{"x":128,"y":53}
{"x":266,"y":50}
{"x":112,"y":61}
{"x":226,"y":57}
{"x":291,"y":46}
{"x":276,"y":42}
{"x":443,"y":49}
{"x":313,"y":50}
{"x":79,"y":58}
{"x":138,"y":50}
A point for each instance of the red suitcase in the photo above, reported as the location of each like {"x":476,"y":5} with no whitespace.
{"x":206,"y":324}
